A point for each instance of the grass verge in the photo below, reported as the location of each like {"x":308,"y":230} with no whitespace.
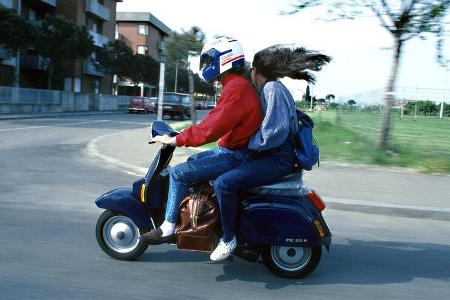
{"x":421,"y":143}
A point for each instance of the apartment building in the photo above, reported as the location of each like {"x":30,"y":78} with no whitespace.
{"x":143,"y":33}
{"x":98,"y":16}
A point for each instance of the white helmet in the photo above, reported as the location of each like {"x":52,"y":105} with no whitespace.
{"x":220,"y":55}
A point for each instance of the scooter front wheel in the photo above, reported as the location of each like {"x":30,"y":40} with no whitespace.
{"x":291,"y":262}
{"x":118,"y":236}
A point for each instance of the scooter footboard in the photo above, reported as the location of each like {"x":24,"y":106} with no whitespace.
{"x":123,"y":200}
{"x":278,"y":221}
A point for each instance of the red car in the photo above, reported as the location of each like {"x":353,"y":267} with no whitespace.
{"x":141,"y":104}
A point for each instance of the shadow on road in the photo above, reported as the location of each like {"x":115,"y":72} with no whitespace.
{"x":174,"y":256}
{"x":361,"y":263}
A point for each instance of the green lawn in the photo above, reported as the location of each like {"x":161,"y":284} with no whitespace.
{"x":422,"y":143}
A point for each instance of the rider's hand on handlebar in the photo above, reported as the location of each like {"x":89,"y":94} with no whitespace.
{"x":165,"y":139}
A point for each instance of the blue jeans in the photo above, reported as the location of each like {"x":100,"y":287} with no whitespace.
{"x":200,"y":167}
{"x":266,"y":168}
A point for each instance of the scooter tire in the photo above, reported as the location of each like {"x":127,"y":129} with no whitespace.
{"x":274,"y":262}
{"x":104,"y":219}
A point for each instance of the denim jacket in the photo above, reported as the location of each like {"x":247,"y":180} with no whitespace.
{"x":278,"y":107}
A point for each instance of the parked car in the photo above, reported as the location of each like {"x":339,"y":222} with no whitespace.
{"x":141,"y":104}
{"x":211,"y":105}
{"x":153,"y":103}
{"x":177,"y":104}
{"x":200,"y":105}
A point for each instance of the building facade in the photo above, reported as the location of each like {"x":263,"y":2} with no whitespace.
{"x":144,"y":34}
{"x":99,"y":18}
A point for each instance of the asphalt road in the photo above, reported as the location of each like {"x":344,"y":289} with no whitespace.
{"x":48,"y":248}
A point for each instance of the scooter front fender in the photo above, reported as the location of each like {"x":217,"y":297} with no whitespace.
{"x":123,"y":200}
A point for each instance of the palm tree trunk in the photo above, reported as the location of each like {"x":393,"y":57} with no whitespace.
{"x":389,"y":96}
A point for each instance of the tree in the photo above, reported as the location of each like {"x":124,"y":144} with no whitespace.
{"x":421,"y":108}
{"x":446,"y":109}
{"x":179,"y":46}
{"x":203,"y":87}
{"x":333,"y":105}
{"x":330,"y":97}
{"x":114,"y":58}
{"x":351,"y":102}
{"x":15,"y":32}
{"x":405,"y":20}
{"x":141,"y":69}
{"x":59,"y":40}
{"x":307,"y":94}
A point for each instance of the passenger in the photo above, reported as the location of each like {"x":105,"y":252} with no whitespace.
{"x":273,"y":144}
{"x":236,"y":118}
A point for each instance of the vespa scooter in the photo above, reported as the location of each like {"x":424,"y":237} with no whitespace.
{"x":281,"y":222}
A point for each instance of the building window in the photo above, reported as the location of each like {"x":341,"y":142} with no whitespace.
{"x":142,"y":50}
{"x":142,"y":29}
{"x":32,"y":15}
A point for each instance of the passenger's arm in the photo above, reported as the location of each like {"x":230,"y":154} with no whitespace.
{"x":276,"y":124}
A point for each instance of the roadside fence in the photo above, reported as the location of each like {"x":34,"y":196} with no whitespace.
{"x":22,"y":100}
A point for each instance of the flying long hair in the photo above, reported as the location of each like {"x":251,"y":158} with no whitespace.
{"x":279,"y":61}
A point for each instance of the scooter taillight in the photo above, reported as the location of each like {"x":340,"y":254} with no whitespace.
{"x":316,"y":200}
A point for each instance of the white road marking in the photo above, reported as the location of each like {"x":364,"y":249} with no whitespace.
{"x":47,"y":126}
{"x":93,"y":151}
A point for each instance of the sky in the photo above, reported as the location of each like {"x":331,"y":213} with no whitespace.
{"x":361,"y":48}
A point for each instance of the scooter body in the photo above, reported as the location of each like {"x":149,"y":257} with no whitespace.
{"x":280,"y":222}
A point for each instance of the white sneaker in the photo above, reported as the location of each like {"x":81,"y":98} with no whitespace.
{"x":223,"y":250}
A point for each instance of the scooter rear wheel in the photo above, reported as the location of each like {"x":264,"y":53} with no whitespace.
{"x":291,"y":262}
{"x":118,"y":236}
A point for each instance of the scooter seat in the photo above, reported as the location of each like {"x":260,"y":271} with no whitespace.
{"x":291,"y":185}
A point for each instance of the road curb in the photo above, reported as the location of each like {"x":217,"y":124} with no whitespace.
{"x":387,"y":209}
{"x":372,"y":207}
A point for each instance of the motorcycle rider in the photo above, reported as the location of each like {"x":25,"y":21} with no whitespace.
{"x":233,"y":121}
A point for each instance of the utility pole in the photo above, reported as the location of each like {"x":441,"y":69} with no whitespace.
{"x":162,"y":65}
{"x":176,"y":76}
{"x":191,"y":56}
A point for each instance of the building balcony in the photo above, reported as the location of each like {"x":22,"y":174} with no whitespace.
{"x":4,"y":53}
{"x":50,"y":2}
{"x":32,"y":62}
{"x":89,"y":69}
{"x":7,"y":3}
{"x":99,"y":40}
{"x":97,"y":10}
{"x":6,"y":58}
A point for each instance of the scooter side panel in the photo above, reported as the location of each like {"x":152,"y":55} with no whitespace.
{"x":278,"y":221}
{"x":123,"y":200}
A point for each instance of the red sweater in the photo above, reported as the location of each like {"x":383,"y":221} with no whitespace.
{"x":235,"y":119}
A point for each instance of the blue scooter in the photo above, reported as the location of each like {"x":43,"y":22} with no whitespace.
{"x":281,"y":222}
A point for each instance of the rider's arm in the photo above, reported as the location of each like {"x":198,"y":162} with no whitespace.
{"x":219,"y":121}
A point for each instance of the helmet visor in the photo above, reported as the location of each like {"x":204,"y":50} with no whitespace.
{"x":207,"y":59}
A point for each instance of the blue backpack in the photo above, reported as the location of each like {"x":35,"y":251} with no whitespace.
{"x":306,"y":148}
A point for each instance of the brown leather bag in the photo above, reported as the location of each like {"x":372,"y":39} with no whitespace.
{"x":199,"y":227}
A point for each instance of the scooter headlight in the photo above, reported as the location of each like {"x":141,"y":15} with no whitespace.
{"x":143,"y":193}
